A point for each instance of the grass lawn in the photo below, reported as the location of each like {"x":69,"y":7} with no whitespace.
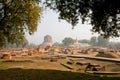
{"x":38,"y":74}
{"x":33,"y":68}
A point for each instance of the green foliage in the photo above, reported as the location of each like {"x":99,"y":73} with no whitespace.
{"x":67,"y":41}
{"x":97,"y":41}
{"x":16,"y":17}
{"x":101,"y":41}
{"x":103,"y":15}
{"x":84,"y":41}
{"x":52,"y":50}
{"x":93,"y":40}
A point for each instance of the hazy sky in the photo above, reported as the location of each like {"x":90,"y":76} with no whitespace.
{"x":50,"y":25}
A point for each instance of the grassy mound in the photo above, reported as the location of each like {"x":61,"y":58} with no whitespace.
{"x":38,"y":74}
{"x":108,"y":55}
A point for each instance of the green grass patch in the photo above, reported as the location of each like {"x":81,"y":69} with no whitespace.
{"x":38,"y":74}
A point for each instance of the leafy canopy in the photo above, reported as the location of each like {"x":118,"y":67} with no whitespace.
{"x":101,"y":41}
{"x":16,"y":17}
{"x":103,"y":15}
{"x":67,"y":41}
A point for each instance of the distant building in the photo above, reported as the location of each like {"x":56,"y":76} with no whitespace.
{"x":79,"y":45}
{"x":47,"y":41}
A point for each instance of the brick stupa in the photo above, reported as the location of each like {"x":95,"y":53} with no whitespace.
{"x":47,"y":41}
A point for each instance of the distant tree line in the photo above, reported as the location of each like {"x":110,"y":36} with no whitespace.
{"x":99,"y":41}
{"x":20,"y":45}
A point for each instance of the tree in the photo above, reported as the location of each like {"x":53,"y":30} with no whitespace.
{"x":103,"y":15}
{"x":67,"y":41}
{"x":101,"y":41}
{"x":17,"y":17}
{"x":93,"y":40}
{"x":84,"y":41}
{"x":23,"y":42}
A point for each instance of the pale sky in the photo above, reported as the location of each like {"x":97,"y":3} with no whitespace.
{"x":50,"y":25}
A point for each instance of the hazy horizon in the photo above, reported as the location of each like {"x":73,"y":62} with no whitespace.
{"x":50,"y":25}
